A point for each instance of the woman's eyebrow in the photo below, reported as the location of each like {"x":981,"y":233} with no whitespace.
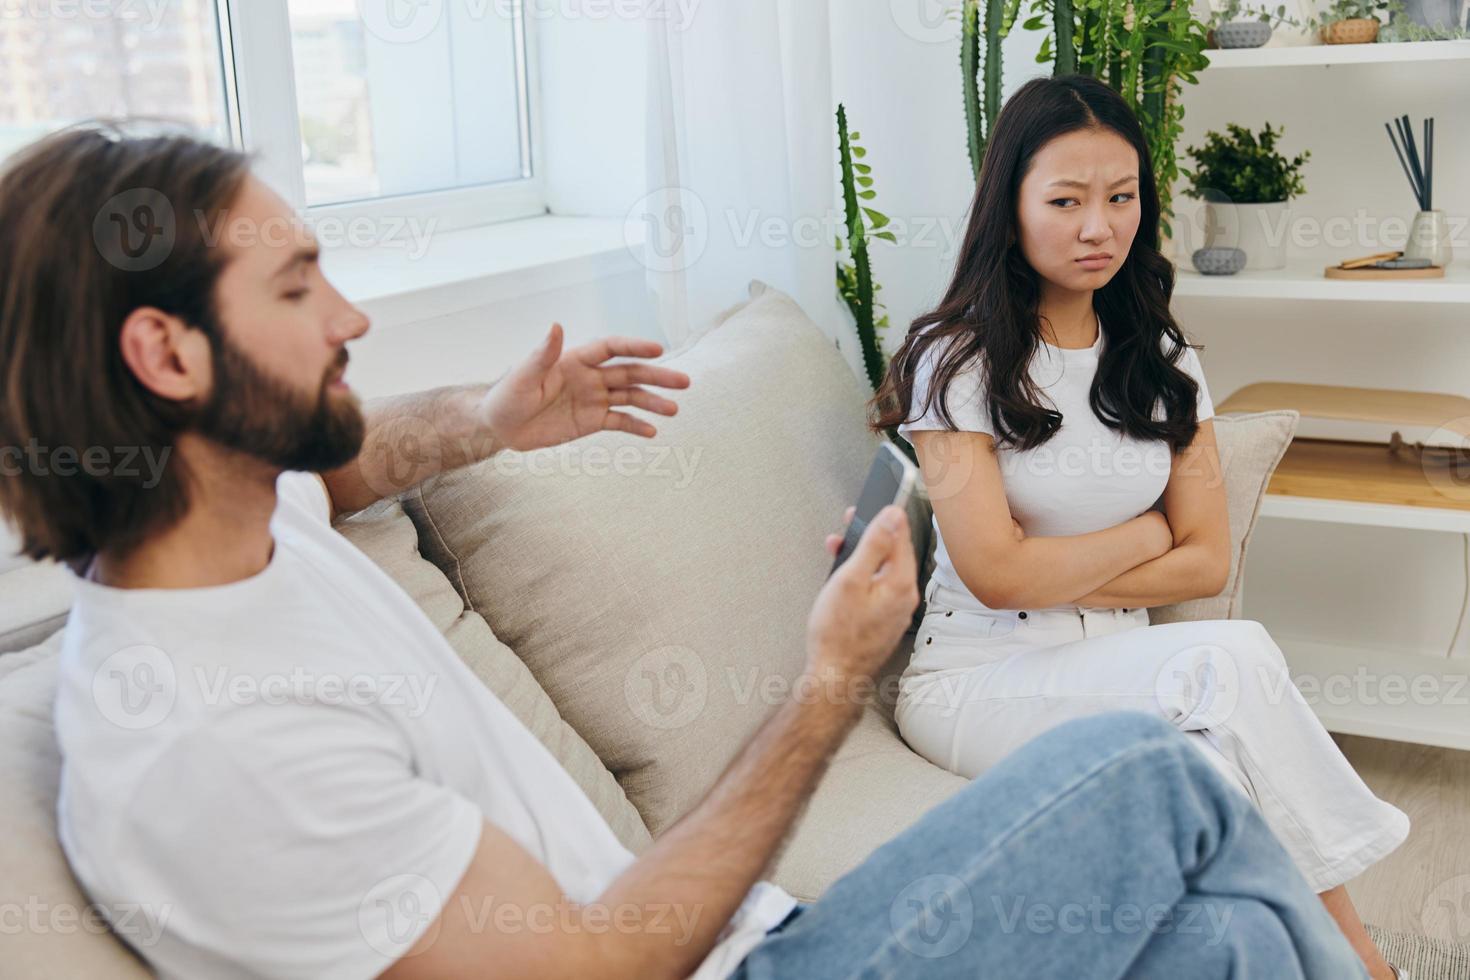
{"x":1082,"y":183}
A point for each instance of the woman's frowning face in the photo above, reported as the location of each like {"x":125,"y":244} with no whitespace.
{"x":1080,"y":199}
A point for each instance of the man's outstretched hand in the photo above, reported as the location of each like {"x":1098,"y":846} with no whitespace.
{"x":555,"y":396}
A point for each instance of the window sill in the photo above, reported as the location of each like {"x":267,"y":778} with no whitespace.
{"x":474,"y":267}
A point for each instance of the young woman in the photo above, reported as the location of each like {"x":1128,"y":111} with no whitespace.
{"x":1063,"y":426}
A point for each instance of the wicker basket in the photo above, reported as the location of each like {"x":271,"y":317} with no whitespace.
{"x":1359,"y":30}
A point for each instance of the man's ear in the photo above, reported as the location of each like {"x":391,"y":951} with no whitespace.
{"x":166,"y":355}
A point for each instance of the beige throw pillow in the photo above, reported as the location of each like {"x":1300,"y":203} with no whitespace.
{"x":1250,"y":445}
{"x":659,"y":590}
{"x":386,"y":535}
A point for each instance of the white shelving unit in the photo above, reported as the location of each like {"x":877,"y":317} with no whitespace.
{"x":1354,"y":688}
{"x":1337,"y":54}
{"x":1303,"y":279}
{"x":1365,"y":514}
{"x":1361,"y":691}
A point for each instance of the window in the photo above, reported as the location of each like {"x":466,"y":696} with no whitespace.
{"x":368,"y":132}
{"x":401,"y":107}
{"x":61,"y":63}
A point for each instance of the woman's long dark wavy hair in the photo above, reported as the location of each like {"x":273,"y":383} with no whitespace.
{"x":990,"y":313}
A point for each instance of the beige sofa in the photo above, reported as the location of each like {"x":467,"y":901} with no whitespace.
{"x":641,"y":607}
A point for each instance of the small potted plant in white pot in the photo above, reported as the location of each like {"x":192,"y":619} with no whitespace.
{"x":1234,"y":25}
{"x":1247,"y":186}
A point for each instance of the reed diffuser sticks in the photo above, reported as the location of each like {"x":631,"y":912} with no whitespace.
{"x":1420,"y":173}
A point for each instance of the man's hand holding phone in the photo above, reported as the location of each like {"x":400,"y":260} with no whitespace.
{"x":863,"y":610}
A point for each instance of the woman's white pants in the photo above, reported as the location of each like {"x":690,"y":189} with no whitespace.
{"x":984,"y":682}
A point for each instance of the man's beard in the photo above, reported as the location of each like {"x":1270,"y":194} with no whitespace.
{"x":253,"y":413}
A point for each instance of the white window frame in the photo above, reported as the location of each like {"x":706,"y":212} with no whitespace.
{"x":255,"y":41}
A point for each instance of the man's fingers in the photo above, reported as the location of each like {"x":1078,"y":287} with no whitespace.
{"x":623,"y":422}
{"x":550,"y":350}
{"x":607,"y":348}
{"x":879,"y":542}
{"x":646,"y":400}
{"x":834,"y":541}
{"x":628,"y":375}
{"x":903,"y":566}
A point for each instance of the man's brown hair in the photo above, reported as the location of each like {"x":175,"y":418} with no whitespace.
{"x":95,"y":224}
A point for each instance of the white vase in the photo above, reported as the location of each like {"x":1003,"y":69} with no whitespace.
{"x":1429,"y":238}
{"x":1259,"y":230}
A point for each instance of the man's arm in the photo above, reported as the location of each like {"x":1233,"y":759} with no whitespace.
{"x":1199,"y":562}
{"x":703,"y":867}
{"x":409,"y":439}
{"x":552,"y":397}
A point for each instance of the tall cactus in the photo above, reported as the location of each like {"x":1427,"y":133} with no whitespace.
{"x":981,"y":78}
{"x":1065,"y":20}
{"x":970,"y":80}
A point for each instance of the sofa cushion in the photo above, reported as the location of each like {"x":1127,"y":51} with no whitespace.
{"x":1250,"y":446}
{"x":659,"y":590}
{"x":61,"y":934}
{"x":34,"y":599}
{"x":386,"y":535}
{"x":874,"y":790}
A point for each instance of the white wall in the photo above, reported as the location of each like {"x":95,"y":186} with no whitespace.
{"x":898,"y":72}
{"x":480,"y":345}
{"x":592,"y":99}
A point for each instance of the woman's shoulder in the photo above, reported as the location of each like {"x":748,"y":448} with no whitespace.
{"x":941,"y":341}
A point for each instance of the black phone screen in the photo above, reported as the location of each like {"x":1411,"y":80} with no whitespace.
{"x":886,"y":479}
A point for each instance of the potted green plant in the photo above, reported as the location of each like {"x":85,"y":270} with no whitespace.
{"x":1246,"y":185}
{"x":1234,"y":25}
{"x":1353,"y":21}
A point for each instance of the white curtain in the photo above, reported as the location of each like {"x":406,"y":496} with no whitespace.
{"x":742,"y":162}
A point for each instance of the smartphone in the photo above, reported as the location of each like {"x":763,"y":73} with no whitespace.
{"x":891,"y":480}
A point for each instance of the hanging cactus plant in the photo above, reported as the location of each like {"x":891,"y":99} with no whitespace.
{"x":855,"y":278}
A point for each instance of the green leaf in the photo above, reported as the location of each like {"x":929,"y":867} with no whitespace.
{"x":859,"y":152}
{"x":879,"y":219}
{"x":887,"y":236}
{"x":867,"y":195}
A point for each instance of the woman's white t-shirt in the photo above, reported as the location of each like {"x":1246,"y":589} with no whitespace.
{"x":1086,"y":478}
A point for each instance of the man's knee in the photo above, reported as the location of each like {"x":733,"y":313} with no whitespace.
{"x":1080,"y":746}
{"x":1118,"y":728}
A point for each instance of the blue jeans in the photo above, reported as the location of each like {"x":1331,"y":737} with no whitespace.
{"x":1105,"y":848}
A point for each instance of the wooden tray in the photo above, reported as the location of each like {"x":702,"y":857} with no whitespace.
{"x":1363,"y":472}
{"x":1432,"y":272}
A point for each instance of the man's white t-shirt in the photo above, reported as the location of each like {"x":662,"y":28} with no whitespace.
{"x":1087,"y":477}
{"x":287,"y":776}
